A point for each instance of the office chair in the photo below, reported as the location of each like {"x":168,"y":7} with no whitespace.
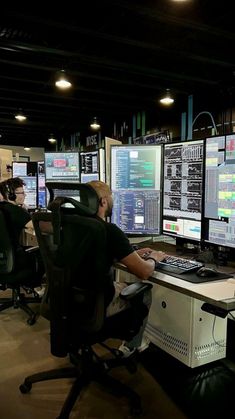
{"x":75,"y":262}
{"x":13,"y":278}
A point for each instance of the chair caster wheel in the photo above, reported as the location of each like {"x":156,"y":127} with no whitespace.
{"x":31,"y":321}
{"x":25,"y":388}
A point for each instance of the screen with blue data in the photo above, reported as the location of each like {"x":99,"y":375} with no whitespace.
{"x":42,"y":196}
{"x":30,"y":191}
{"x":220,"y":190}
{"x":62,"y":166}
{"x":136,"y":172}
{"x":182,"y":189}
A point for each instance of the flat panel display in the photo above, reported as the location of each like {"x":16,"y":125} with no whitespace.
{"x":19,"y":169}
{"x":92,"y":165}
{"x":182,"y":189}
{"x":31,"y":191}
{"x":136,"y":172}
{"x":220,"y":190}
{"x":62,"y":166}
{"x":89,"y":164}
{"x":42,"y":196}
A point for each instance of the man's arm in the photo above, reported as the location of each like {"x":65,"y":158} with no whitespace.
{"x":141,"y":267}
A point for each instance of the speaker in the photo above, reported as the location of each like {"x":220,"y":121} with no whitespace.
{"x":10,"y":192}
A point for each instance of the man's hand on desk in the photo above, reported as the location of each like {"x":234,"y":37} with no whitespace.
{"x":147,"y":253}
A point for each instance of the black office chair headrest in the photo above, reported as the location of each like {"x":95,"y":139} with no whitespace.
{"x":86,"y":194}
{"x":87,"y":206}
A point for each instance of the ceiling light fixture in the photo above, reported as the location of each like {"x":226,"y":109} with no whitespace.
{"x":62,"y":82}
{"x":51,"y":139}
{"x":95,"y":123}
{"x":167,"y":99}
{"x":20,"y":116}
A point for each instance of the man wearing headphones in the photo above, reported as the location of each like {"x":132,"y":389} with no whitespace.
{"x":13,"y":194}
{"x":17,"y":218}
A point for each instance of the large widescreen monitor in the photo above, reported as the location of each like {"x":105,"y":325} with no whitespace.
{"x":136,"y":186}
{"x":182,"y":189}
{"x":62,"y":166}
{"x":92,"y":165}
{"x":220,"y":190}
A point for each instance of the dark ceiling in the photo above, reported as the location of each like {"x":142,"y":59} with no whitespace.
{"x":121,"y":56}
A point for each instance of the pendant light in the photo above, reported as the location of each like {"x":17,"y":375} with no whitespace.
{"x":62,"y":81}
{"x":95,"y":124}
{"x":167,"y":99}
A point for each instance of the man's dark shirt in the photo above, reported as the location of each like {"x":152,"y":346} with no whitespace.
{"x":17,"y":218}
{"x":118,"y":247}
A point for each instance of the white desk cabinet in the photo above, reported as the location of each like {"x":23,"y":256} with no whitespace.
{"x":178,"y":326}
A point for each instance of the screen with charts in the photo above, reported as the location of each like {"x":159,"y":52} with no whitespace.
{"x":182,"y":189}
{"x":136,"y":186}
{"x":220,"y":190}
{"x":31,"y":191}
{"x":92,"y":165}
{"x":62,"y":166}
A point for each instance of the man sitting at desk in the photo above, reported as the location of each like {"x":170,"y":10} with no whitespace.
{"x":119,"y":249}
{"x":18,"y":218}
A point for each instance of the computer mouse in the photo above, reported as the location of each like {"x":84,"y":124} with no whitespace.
{"x":206,"y":272}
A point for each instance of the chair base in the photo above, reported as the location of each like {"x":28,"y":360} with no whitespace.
{"x":18,"y":300}
{"x":89,"y":367}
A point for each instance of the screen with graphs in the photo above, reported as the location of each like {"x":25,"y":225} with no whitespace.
{"x":182,"y":189}
{"x":220,"y":190}
{"x":136,"y":187}
{"x":62,"y":166}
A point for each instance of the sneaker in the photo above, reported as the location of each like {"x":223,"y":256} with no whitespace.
{"x":126,"y":352}
{"x":40,"y":290}
{"x":144,"y":344}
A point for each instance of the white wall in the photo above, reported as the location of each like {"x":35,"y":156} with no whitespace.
{"x":35,"y":153}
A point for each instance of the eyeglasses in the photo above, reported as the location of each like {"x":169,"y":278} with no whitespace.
{"x":20,"y":193}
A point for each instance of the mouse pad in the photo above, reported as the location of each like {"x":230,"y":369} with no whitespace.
{"x":192,"y":277}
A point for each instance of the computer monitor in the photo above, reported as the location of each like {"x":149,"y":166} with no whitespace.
{"x":92,"y":165}
{"x":182,"y":189}
{"x":19,"y":169}
{"x":31,"y":191}
{"x":62,"y":166}
{"x":220,"y":191}
{"x":136,"y":172}
{"x":42,"y":196}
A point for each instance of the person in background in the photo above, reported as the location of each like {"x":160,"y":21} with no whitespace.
{"x":119,"y":249}
{"x":18,"y":219}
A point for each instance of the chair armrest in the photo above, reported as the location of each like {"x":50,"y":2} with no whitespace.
{"x":32,"y":249}
{"x":131,"y":291}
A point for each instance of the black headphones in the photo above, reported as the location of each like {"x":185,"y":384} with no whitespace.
{"x":10,"y":192}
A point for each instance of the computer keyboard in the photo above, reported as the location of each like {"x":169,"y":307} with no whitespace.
{"x":178,"y":265}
